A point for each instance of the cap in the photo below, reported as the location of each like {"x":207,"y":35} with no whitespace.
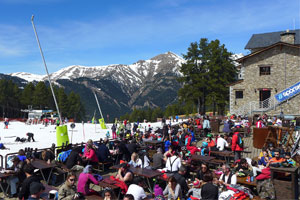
{"x":196,"y":184}
{"x":36,"y":187}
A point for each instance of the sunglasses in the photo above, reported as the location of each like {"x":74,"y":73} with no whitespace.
{"x":71,"y":179}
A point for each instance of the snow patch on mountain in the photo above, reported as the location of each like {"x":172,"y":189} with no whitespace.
{"x":28,"y":76}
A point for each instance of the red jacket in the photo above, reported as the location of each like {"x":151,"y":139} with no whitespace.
{"x":234,"y":145}
{"x":193,"y":149}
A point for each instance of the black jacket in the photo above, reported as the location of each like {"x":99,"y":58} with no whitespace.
{"x":25,"y":192}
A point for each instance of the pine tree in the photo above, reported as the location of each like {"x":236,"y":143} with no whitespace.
{"x":40,"y":96}
{"x":27,"y":95}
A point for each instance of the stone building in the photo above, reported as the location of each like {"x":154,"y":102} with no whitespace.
{"x":271,"y":76}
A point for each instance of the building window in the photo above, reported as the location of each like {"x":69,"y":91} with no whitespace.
{"x":264,"y":70}
{"x":239,"y":94}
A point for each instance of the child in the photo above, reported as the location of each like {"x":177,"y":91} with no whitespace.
{"x":289,"y":160}
{"x":108,"y":135}
{"x":195,"y":192}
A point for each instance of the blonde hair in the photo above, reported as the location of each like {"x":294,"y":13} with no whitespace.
{"x":134,"y":156}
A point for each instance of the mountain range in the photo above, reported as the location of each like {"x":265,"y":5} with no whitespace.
{"x":119,"y":88}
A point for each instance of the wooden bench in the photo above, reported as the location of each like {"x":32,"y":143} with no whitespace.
{"x":101,"y":166}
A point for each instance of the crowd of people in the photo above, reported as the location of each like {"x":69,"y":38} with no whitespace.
{"x":181,"y":177}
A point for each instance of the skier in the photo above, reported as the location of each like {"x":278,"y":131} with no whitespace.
{"x":30,"y":136}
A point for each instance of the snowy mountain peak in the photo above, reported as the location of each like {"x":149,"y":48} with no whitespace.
{"x":28,"y":76}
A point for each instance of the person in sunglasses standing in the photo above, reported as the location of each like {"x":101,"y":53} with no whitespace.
{"x":68,"y":190}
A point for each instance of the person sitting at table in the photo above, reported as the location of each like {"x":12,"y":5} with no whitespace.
{"x":36,"y":189}
{"x":204,"y":149}
{"x":158,"y":159}
{"x":255,"y":169}
{"x":203,"y":170}
{"x":265,"y":158}
{"x":243,"y":167}
{"x":276,"y":160}
{"x":210,"y":143}
{"x":47,"y":156}
{"x":21,"y":155}
{"x":108,"y":194}
{"x":145,"y":160}
{"x":17,"y":175}
{"x":135,"y":160}
{"x":227,"y":177}
{"x":30,"y":177}
{"x":124,"y":154}
{"x":179,"y":176}
{"x":289,"y":160}
{"x":84,"y":180}
{"x":124,"y":174}
{"x":221,"y":143}
{"x":261,"y":154}
{"x":209,"y":191}
{"x":89,"y":155}
{"x":173,"y":189}
{"x":132,"y":146}
{"x":68,"y":191}
{"x":284,"y":150}
{"x":102,"y":152}
{"x":228,"y":139}
{"x":193,"y":148}
{"x":173,"y":163}
{"x":136,"y":189}
{"x":74,"y":160}
{"x":128,"y":197}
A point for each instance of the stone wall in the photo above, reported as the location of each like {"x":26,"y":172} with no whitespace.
{"x":284,"y":62}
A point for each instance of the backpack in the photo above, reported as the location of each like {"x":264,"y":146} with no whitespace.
{"x":62,"y":156}
{"x":240,"y":141}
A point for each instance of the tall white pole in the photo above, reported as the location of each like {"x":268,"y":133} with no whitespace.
{"x":49,"y":79}
{"x":98,"y":105}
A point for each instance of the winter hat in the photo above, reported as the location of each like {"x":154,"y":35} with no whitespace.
{"x":196,"y":184}
{"x":158,"y":190}
{"x":204,"y":144}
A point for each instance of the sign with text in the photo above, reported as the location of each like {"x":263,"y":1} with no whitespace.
{"x":288,"y":93}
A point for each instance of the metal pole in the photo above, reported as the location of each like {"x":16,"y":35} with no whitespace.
{"x":49,"y":79}
{"x":98,"y":105}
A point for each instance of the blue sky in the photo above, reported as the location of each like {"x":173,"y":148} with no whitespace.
{"x":98,"y":32}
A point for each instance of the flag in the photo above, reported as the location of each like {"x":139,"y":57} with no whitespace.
{"x":93,"y":120}
{"x":62,"y":135}
{"x":102,"y":123}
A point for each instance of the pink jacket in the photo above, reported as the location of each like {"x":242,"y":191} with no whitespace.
{"x":84,"y":182}
{"x":91,"y":154}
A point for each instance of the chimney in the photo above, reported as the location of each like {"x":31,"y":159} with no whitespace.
{"x":288,"y":37}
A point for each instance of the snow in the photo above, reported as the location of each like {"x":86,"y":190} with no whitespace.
{"x":46,"y":136}
{"x":28,"y":76}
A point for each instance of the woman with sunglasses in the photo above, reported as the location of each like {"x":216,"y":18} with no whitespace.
{"x":68,"y":190}
{"x":108,"y":194}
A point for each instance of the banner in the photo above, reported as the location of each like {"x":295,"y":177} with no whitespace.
{"x":62,"y":135}
{"x":102,"y":123}
{"x":288,"y":93}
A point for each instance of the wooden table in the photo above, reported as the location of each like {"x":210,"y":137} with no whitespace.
{"x":285,"y":188}
{"x":93,"y":197}
{"x":4,"y":176}
{"x":226,"y":154}
{"x":202,"y":158}
{"x":108,"y":183}
{"x":146,"y":173}
{"x":243,"y":181}
{"x":155,"y":143}
{"x":42,"y":165}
